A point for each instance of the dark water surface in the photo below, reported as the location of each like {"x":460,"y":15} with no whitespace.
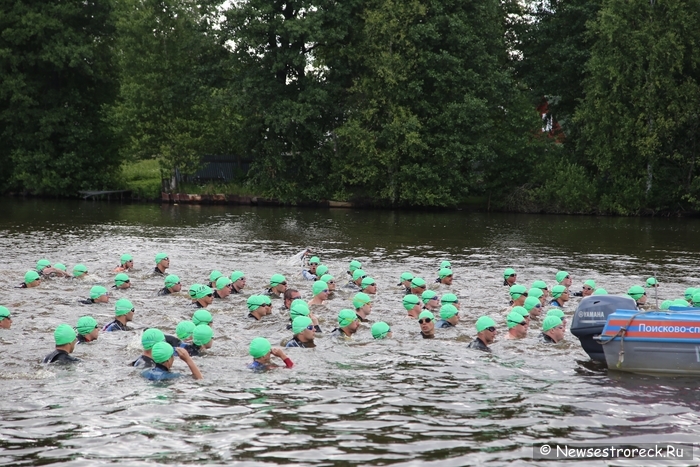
{"x":403,"y":401}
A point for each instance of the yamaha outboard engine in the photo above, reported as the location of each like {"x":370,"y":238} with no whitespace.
{"x":590,"y":317}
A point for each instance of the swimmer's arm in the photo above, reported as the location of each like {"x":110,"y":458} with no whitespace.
{"x":185,"y":357}
{"x":280,"y":354}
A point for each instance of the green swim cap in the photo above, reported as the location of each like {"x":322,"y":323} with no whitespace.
{"x":4,"y":312}
{"x":354,"y":264}
{"x":427,"y":296}
{"x":222,"y":282}
{"x":689,"y":292}
{"x":184,"y":329}
{"x":550,"y":322}
{"x":160,"y":257}
{"x":600,"y":291}
{"x":42,"y":264}
{"x":60,"y":267}
{"x":171,"y":280}
{"x":121,"y":279}
{"x":193,"y":290}
{"x":665,"y":304}
{"x":514,"y":318}
{"x":366,"y":282}
{"x":680,"y":302}
{"x":202,"y":334}
{"x":86,"y":324}
{"x":298,"y":308}
{"x":126,"y":257}
{"x":516,"y":291}
{"x":557,"y":290}
{"x":79,"y":270}
{"x":314,"y":260}
{"x":201,"y":292}
{"x":214,"y":275}
{"x":556,"y":312}
{"x":162,"y":352}
{"x":254,"y":302}
{"x":122,"y":307}
{"x":97,"y":291}
{"x":64,"y":334}
{"x":417,"y":282}
{"x":259,"y":347}
{"x":445,"y":264}
{"x":426,"y":314}
{"x":318,"y":287}
{"x":531,"y":302}
{"x":534,"y":293}
{"x":561,"y":275}
{"x":380,"y":330}
{"x":361,"y":299}
{"x":507,"y":273}
{"x":266,"y":300}
{"x":327,"y":278}
{"x":651,"y":282}
{"x":590,"y":283}
{"x":151,"y":337}
{"x":521,"y":310}
{"x":300,"y":323}
{"x":236,"y":275}
{"x":321,"y":270}
{"x":30,"y":276}
{"x":448,"y":299}
{"x":277,"y":279}
{"x":406,"y":276}
{"x":539,"y":285}
{"x":358,"y":273}
{"x":636,"y":292}
{"x":484,"y":322}
{"x":346,"y":317}
{"x":410,"y":300}
{"x":448,"y":311}
{"x":202,"y":316}
{"x":444,"y":272}
{"x":696,"y":299}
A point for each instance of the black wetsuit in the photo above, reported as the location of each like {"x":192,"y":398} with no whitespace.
{"x":478,"y":344}
{"x":60,"y":356}
{"x":216,"y":294}
{"x":87,"y":301}
{"x":81,"y":339}
{"x":362,"y":320}
{"x":197,"y":305}
{"x":427,"y":336}
{"x":164,"y":291}
{"x":115,"y":326}
{"x":192,"y":349}
{"x":251,"y":315}
{"x":294,"y":342}
{"x":158,"y":271}
{"x":172,"y":340}
{"x":234,"y":290}
{"x":144,"y":361}
{"x":546,"y":339}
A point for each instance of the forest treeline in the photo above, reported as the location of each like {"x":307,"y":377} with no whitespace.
{"x":580,"y":106}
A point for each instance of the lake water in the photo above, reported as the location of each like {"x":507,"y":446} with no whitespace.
{"x":402,"y":401}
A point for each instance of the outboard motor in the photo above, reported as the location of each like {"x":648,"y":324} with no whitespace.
{"x":590,"y":318}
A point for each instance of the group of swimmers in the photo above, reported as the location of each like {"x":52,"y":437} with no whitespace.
{"x":196,"y":335}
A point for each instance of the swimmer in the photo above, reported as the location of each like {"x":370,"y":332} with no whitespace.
{"x":563,"y":278}
{"x":213,"y":277}
{"x":449,"y":317}
{"x":418,"y":286}
{"x":257,"y":307}
{"x":689,"y":292}
{"x":310,"y":274}
{"x":560,"y":295}
{"x":348,"y":324}
{"x":300,"y":308}
{"x":43,"y":267}
{"x":164,"y":356}
{"x":542,"y":285}
{"x":559,"y":314}
{"x":381,"y":330}
{"x":695,"y":302}
{"x":444,"y":277}
{"x":202,"y":295}
{"x":450,"y":299}
{"x":278,"y":284}
{"x":183,"y":331}
{"x":289,"y":296}
{"x":354,"y":265}
{"x":61,"y":267}
{"x":638,"y":294}
{"x":202,"y":316}
{"x":538,"y":294}
{"x":518,"y":294}
{"x":426,"y":320}
{"x":357,"y":276}
{"x":261,"y":351}
{"x":330,"y":280}
{"x":665,"y":305}
{"x":413,"y":305}
{"x":320,"y":291}
{"x":223,"y":287}
{"x":5,"y":318}
{"x":524,"y":313}
{"x":368,"y":285}
{"x":431,"y":301}
{"x":485,"y":334}
{"x":65,"y":338}
{"x":509,"y":277}
{"x":517,"y":326}
{"x":162,"y":263}
{"x":126,"y":263}
{"x":31,"y":279}
{"x":533,"y":307}
{"x":652,"y":283}
{"x":149,"y":338}
{"x":202,"y":339}
{"x":172,"y":285}
{"x":238,"y":280}
{"x":587,"y":289}
{"x":552,"y":330}
{"x":79,"y":271}
{"x":121,"y":281}
{"x":445,"y":264}
{"x":304,"y":333}
{"x":98,"y":294}
{"x":321,"y":270}
{"x":88,"y":329}
{"x":405,"y":282}
{"x":363,"y":306}
{"x":123,"y":313}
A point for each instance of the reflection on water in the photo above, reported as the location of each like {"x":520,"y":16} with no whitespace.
{"x":405,"y":401}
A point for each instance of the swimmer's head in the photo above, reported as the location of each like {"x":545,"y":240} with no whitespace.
{"x":551,"y":322}
{"x":531,"y":302}
{"x":354,"y":264}
{"x":445,"y":264}
{"x":445,"y":272}
{"x":64,"y":334}
{"x":508,"y":273}
{"x":556,"y":312}
{"x":666,"y":304}
{"x":151,"y":337}
{"x":79,"y":270}
{"x":160,"y":257}
{"x":300,"y":324}
{"x":42,"y":264}
{"x":427,"y":296}
{"x":171,"y":280}
{"x":380,"y":330}
{"x":202,"y":334}
{"x":259,"y":347}
{"x":600,"y":291}
{"x":162,"y":352}
{"x":222,"y":282}
{"x":514,"y":318}
{"x":123,"y":307}
{"x":361,"y":299}
{"x":201,"y":292}
{"x":97,"y":291}
{"x":516,"y":291}
{"x":60,"y":267}
{"x":31,"y":276}
{"x":418,"y":282}
{"x":184,"y":329}
{"x":298,"y":308}
{"x":346,"y":317}
{"x":561,"y":275}
{"x":410,"y":300}
{"x":202,"y":316}
{"x":358,"y":274}
{"x":558,"y":290}
{"x":125,"y":258}
{"x":315,"y":260}
{"x":636,"y":292}
{"x":214,"y":275}
{"x":319,"y":287}
{"x":448,"y":311}
{"x":448,"y":299}
{"x":254,"y":302}
{"x":121,"y":279}
{"x":277,"y":279}
{"x":237,"y":275}
{"x":86,"y":324}
{"x":652,"y":282}
{"x":484,"y":322}
{"x":321,"y":270}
